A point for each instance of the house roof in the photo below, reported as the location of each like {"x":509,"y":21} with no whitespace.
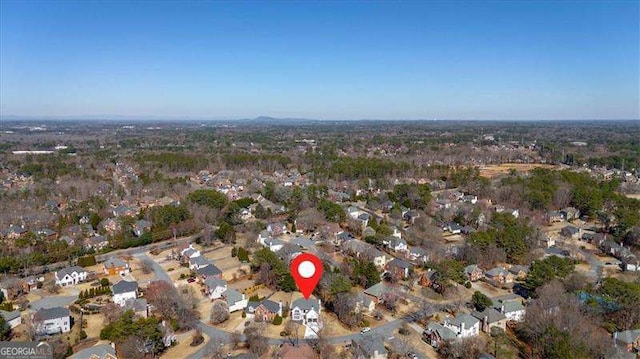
{"x":443,"y":332}
{"x":302,"y":351}
{"x":9,"y":316}
{"x":213,"y":282}
{"x":209,"y":270}
{"x":69,"y":271}
{"x":377,"y":290}
{"x":491,"y":314}
{"x":470,"y":268}
{"x":272,"y":306}
{"x":518,"y":268}
{"x":100,"y":351}
{"x":137,"y":304}
{"x":510,"y":306}
{"x":124,"y":286}
{"x":200,"y":261}
{"x":232,"y":296}
{"x":114,"y":262}
{"x":467,"y":319}
{"x":52,"y":313}
{"x":397,"y":262}
{"x":307,"y":304}
{"x":395,"y":241}
{"x":628,"y":336}
{"x":270,"y":241}
{"x":371,"y":345}
{"x":494,"y":272}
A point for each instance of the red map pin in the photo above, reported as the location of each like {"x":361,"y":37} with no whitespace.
{"x":306,"y":270}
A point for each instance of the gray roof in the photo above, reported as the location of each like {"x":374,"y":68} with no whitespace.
{"x":271,"y":305}
{"x":467,"y":319}
{"x":377,"y":290}
{"x":209,"y":270}
{"x":302,"y":242}
{"x":213,"y":282}
{"x":372,"y":345}
{"x":470,"y":268}
{"x":232,"y":296}
{"x":628,"y":336}
{"x":510,"y":306}
{"x":9,"y":316}
{"x":200,"y":261}
{"x":52,"y":313}
{"x":494,"y":272}
{"x":69,"y":270}
{"x":307,"y":304}
{"x":395,"y":241}
{"x":100,"y":351}
{"x":137,"y":304}
{"x":124,"y":286}
{"x":492,"y":315}
{"x":397,"y":262}
{"x":444,"y":332}
{"x":270,"y":241}
{"x":114,"y":262}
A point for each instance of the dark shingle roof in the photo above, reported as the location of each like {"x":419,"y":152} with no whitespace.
{"x":124,"y":286}
{"x":52,"y":313}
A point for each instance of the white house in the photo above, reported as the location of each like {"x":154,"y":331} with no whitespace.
{"x":215,"y":287}
{"x":12,"y":318}
{"x":464,"y":325}
{"x":354,"y":212}
{"x":307,"y":311}
{"x":198,"y":262}
{"x":262,"y":236}
{"x":397,"y":244}
{"x":235,"y":300}
{"x":190,"y":252}
{"x":273,"y":244}
{"x":48,"y":321}
{"x":512,"y":309}
{"x":124,"y":290}
{"x":70,"y":276}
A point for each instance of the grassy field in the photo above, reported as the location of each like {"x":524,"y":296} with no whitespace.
{"x":498,"y":170}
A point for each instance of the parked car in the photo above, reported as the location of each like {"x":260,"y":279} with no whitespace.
{"x":191,"y":280}
{"x":365,"y":330}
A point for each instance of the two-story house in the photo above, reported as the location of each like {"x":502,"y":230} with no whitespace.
{"x":124,"y":290}
{"x":235,"y":300}
{"x":307,"y":311}
{"x":513,"y":309}
{"x":48,"y":321}
{"x":473,"y":273}
{"x":70,"y":276}
{"x":115,"y":265}
{"x":499,"y":276}
{"x":490,"y":318}
{"x":215,"y":287}
{"x":198,"y":262}
{"x":399,"y":268}
{"x":12,"y":319}
{"x":464,"y":325}
{"x":263,"y":311}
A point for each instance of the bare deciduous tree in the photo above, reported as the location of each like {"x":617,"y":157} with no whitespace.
{"x":219,"y":312}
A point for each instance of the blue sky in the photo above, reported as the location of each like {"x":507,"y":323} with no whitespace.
{"x":325,"y":60}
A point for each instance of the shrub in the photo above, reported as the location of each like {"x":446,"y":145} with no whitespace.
{"x":83,"y":335}
{"x":467,"y":285}
{"x":365,"y":323}
{"x":234,"y":252}
{"x":244,"y":314}
{"x":104,"y":282}
{"x":277,"y":320}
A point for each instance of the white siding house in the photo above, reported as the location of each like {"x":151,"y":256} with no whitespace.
{"x":123,"y":291}
{"x":70,"y":276}
{"x":48,"y":321}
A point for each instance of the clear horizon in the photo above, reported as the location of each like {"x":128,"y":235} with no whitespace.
{"x":326,"y":61}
